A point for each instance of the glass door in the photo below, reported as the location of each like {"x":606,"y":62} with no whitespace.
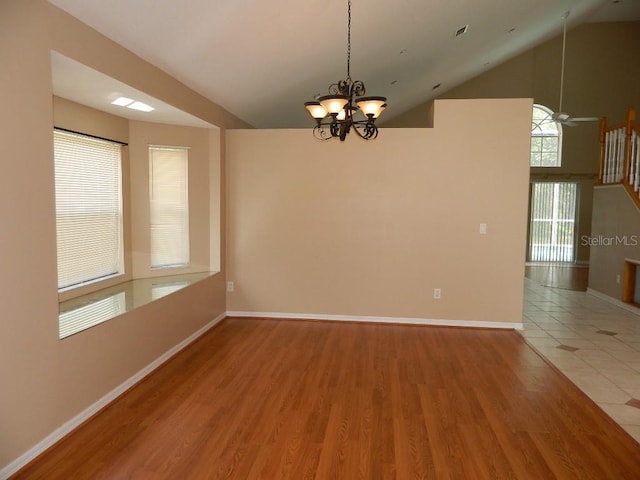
{"x":552,"y":222}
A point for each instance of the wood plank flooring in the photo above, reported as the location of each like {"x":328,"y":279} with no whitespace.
{"x":278,"y":399}
{"x":567,"y":276}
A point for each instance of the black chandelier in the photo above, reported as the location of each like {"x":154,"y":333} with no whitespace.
{"x":336,"y":113}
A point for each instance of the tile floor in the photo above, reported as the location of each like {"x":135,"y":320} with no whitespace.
{"x":594,"y":343}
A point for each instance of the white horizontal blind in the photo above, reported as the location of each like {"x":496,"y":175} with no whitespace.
{"x":88,"y":182}
{"x":169,"y":206}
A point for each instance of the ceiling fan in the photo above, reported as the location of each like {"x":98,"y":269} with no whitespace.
{"x":560,"y":116}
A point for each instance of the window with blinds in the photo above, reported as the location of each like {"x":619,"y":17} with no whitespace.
{"x":88,"y":184}
{"x":169,"y":206}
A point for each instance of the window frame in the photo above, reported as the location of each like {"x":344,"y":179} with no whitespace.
{"x":538,"y":127}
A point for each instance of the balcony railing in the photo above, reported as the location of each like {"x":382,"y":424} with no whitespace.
{"x":620,"y":155}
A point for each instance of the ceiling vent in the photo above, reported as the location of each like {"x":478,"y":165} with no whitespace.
{"x":462,"y":30}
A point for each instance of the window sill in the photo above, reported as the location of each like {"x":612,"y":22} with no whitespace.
{"x":92,"y":309}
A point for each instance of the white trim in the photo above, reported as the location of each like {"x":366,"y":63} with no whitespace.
{"x":365,"y":319}
{"x":618,"y":303}
{"x":76,"y":421}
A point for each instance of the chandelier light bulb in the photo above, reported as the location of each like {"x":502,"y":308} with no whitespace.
{"x":380,"y":110}
{"x":316,"y":110}
{"x":334,"y":103}
{"x":371,"y":106}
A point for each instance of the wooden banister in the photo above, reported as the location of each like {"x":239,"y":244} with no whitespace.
{"x":602,"y":138}
{"x":631,"y":119}
{"x":612,"y":152}
{"x":608,"y":145}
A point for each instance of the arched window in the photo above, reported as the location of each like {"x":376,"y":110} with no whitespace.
{"x":546,"y":138}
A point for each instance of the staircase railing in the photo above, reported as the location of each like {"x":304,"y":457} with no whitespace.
{"x":620,"y":155}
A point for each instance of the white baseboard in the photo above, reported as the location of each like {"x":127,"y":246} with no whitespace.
{"x":619,"y":303}
{"x":76,"y":421}
{"x":396,"y":320}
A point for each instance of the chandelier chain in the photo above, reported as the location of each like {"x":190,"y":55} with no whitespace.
{"x":349,"y":41}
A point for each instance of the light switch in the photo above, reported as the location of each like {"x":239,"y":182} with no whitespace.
{"x":483,"y":229}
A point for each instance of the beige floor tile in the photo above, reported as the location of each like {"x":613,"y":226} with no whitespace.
{"x":609,"y":395}
{"x":578,"y":343}
{"x":570,"y":363}
{"x":564,"y":334}
{"x":633,"y":391}
{"x":542,"y":342}
{"x":595,"y":354}
{"x":635,"y":345}
{"x":614,"y":368}
{"x":613,"y":346}
{"x":622,"y":414}
{"x":628,"y":356}
{"x":589,"y":378}
{"x":634,"y":431}
{"x":536,"y":334}
{"x":623,"y":379}
{"x":627,"y":334}
{"x":605,"y":367}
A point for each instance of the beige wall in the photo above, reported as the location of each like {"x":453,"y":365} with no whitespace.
{"x":80,"y":118}
{"x":370,"y":229}
{"x":601,"y":79}
{"x":44,"y":381}
{"x":615,"y":236}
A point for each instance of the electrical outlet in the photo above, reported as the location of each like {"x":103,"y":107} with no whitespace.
{"x":618,"y":279}
{"x":437,"y":293}
{"x":230,"y":286}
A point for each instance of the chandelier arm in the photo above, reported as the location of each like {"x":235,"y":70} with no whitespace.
{"x":369,"y":130}
{"x":321,"y":133}
{"x":357,"y":89}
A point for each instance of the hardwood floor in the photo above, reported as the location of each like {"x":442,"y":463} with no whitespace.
{"x":276,"y":399}
{"x":567,"y":276}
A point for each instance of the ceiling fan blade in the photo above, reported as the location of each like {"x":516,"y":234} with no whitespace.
{"x":585,"y":119}
{"x":560,"y":117}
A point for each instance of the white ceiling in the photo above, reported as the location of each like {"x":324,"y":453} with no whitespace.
{"x":84,"y":85}
{"x":262,"y":60}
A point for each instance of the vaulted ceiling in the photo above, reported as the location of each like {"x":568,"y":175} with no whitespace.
{"x":262,"y":59}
